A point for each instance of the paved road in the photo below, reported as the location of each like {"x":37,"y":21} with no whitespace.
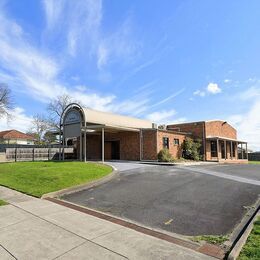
{"x":184,"y":200}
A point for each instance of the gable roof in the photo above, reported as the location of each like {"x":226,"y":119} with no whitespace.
{"x":14,"y":134}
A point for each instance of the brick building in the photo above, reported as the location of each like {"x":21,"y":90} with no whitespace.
{"x":105,"y":136}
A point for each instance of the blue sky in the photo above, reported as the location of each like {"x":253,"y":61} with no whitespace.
{"x":167,"y":61}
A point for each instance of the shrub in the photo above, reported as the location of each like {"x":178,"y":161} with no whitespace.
{"x":191,"y":149}
{"x":165,"y":156}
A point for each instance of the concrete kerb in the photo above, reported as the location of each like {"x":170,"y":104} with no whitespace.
{"x":80,"y":187}
{"x":177,"y":163}
{"x":241,"y":242}
{"x":242,"y":230}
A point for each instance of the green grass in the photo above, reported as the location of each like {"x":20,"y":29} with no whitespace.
{"x":251,"y":249}
{"x":254,"y":162}
{"x":38,"y":178}
{"x":211,"y":239}
{"x":2,"y":203}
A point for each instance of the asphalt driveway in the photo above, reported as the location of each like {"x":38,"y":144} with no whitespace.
{"x":191,"y":200}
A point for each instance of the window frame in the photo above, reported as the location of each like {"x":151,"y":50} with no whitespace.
{"x":176,"y":143}
{"x":166,"y":144}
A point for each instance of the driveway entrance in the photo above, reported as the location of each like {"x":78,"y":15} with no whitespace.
{"x":184,"y":200}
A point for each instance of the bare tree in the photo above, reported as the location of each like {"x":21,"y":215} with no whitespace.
{"x":55,"y":109}
{"x":5,"y":101}
{"x":39,"y":127}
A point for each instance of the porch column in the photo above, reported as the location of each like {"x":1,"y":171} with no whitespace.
{"x":218,"y":148}
{"x":231,"y":150}
{"x":225,"y":146}
{"x":242,"y":151}
{"x":60,"y":145}
{"x":103,"y":144}
{"x":63,"y":140}
{"x":80,"y":146}
{"x":85,"y":143}
{"x":246,"y":152}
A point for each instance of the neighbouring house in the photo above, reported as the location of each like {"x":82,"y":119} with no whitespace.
{"x":15,"y":137}
{"x":103,"y":136}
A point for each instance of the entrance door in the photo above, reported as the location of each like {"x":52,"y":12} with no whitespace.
{"x":115,"y":150}
{"x":112,"y":150}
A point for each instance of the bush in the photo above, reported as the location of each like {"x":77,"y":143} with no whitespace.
{"x":165,"y":156}
{"x":191,"y":149}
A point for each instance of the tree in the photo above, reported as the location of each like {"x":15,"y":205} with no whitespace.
{"x":55,"y":109}
{"x":5,"y":101}
{"x":49,"y":137}
{"x":191,"y":149}
{"x":39,"y":126}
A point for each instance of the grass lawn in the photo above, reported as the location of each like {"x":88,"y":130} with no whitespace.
{"x":254,"y":162}
{"x":2,"y":203}
{"x":251,"y":249}
{"x":38,"y":178}
{"x":211,"y":239}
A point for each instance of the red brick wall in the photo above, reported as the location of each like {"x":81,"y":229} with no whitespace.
{"x":219,"y":128}
{"x":129,"y":144}
{"x":175,"y":150}
{"x":149,"y":145}
{"x":196,"y":128}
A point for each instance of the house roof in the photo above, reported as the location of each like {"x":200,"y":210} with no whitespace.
{"x":14,"y":134}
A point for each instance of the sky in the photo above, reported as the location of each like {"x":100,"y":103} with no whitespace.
{"x":166,"y":61}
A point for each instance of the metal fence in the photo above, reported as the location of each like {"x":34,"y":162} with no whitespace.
{"x":36,"y":154}
{"x":254,"y":156}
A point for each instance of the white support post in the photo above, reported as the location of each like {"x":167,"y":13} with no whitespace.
{"x":63,"y":148}
{"x":242,"y":151}
{"x":80,"y":146}
{"x":85,"y":144}
{"x":103,"y":145}
{"x":60,"y":145}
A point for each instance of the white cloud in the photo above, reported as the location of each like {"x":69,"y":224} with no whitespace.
{"x":35,"y":72}
{"x":164,"y":117}
{"x":102,"y":54}
{"x":227,"y":81}
{"x":168,"y":98}
{"x":161,"y":116}
{"x":119,"y":45}
{"x":213,"y":88}
{"x":20,"y":121}
{"x":248,"y":123}
{"x":199,"y":93}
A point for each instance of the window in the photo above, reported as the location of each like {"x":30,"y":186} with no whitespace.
{"x":166,"y":142}
{"x":213,"y":146}
{"x":176,"y":141}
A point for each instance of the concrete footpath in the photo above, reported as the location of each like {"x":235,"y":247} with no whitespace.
{"x":32,"y":228}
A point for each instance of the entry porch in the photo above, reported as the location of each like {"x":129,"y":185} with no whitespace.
{"x":226,"y":150}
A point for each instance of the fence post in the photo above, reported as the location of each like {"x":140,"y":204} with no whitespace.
{"x":49,"y":153}
{"x":33,"y":155}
